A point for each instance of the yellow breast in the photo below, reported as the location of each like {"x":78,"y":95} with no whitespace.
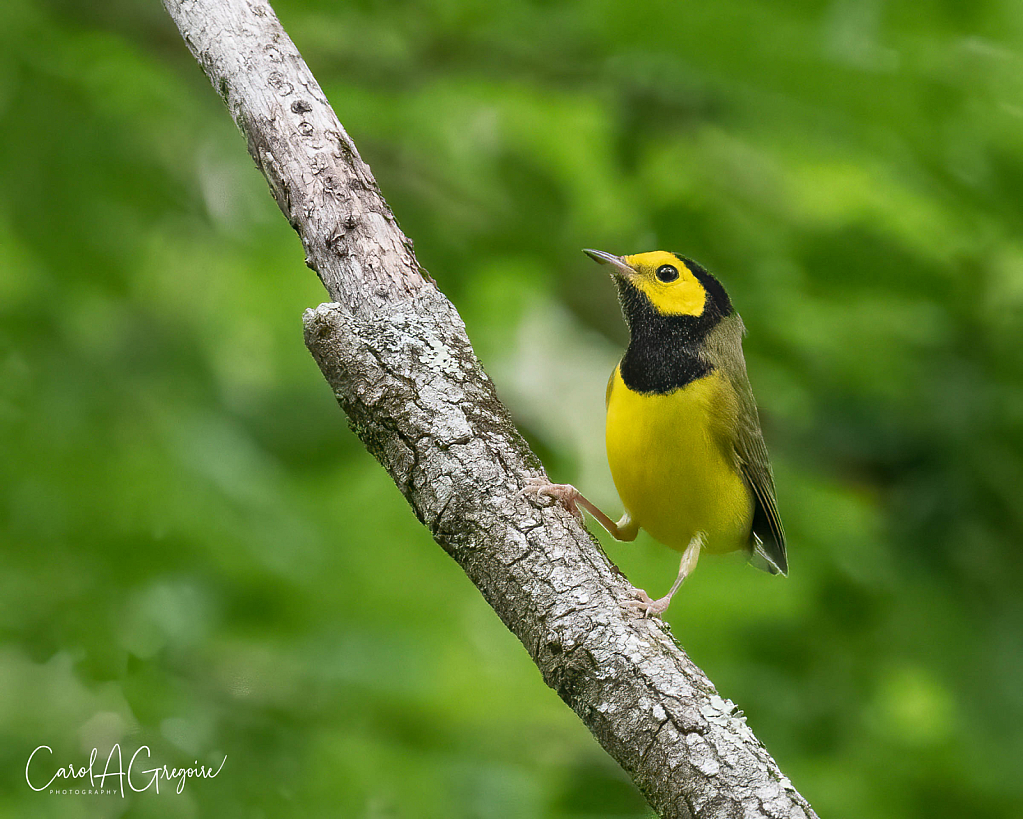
{"x":672,"y":463}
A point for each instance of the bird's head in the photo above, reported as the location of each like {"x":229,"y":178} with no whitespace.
{"x":671,"y":284}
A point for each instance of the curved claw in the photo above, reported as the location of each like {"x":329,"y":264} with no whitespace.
{"x":646,"y":604}
{"x":534,"y":485}
{"x":564,"y":493}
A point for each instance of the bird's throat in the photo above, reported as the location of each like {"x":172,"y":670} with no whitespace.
{"x":661,"y":368}
{"x":663,"y":353}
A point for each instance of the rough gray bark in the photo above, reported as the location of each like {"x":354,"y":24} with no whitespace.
{"x":395,"y":352}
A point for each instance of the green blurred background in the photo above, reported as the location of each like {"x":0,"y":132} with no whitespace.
{"x":196,"y":554}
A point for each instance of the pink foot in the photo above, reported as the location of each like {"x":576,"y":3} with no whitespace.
{"x":566,"y":494}
{"x":647,"y":605}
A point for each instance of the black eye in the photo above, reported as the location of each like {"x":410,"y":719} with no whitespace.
{"x":666,"y":273}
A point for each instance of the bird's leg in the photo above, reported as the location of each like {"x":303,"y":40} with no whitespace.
{"x":685,"y":568}
{"x":571,"y":498}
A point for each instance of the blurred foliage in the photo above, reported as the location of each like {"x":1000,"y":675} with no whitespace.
{"x":198,"y":556}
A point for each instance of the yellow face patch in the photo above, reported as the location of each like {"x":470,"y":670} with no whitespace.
{"x":671,"y":295}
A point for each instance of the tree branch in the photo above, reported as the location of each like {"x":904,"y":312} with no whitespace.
{"x":396,"y":354}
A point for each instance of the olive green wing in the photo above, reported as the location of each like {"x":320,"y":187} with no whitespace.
{"x":767,"y":533}
{"x":724,"y":351}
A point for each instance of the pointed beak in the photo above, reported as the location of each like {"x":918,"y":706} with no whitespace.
{"x":617,"y":263}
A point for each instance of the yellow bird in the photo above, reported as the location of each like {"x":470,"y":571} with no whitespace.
{"x":683,"y":435}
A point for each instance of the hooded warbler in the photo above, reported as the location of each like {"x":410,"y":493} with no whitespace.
{"x":683,"y":435}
